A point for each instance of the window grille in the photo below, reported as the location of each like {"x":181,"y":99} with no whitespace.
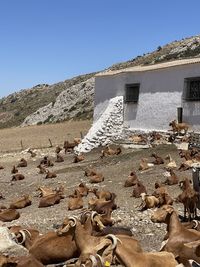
{"x":192,"y":88}
{"x":132,"y":92}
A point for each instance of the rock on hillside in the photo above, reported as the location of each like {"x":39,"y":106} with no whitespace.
{"x":74,"y":102}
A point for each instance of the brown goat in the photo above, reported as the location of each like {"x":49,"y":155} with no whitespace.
{"x":18,"y":177}
{"x":129,"y":257}
{"x":50,"y":200}
{"x":103,"y":194}
{"x":172,"y":179}
{"x":78,"y":158}
{"x":178,"y":127}
{"x":157,"y":159}
{"x":83,"y":189}
{"x":189,"y":197}
{"x":42,"y":169}
{"x":59,"y":158}
{"x":51,"y":248}
{"x":14,"y":170}
{"x":138,"y":188}
{"x":148,"y":202}
{"x":22,"y":163}
{"x":131,"y":179}
{"x":33,"y":154}
{"x":110,"y":152}
{"x":177,"y":233}
{"x":21,"y":202}
{"x":46,"y":162}
{"x":8,"y":215}
{"x":50,"y":175}
{"x":75,"y":201}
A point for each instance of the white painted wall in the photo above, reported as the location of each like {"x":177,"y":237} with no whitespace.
{"x":161,"y":93}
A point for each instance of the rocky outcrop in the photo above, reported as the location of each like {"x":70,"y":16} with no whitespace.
{"x":74,"y":102}
{"x":106,"y":129}
{"x":8,"y":246}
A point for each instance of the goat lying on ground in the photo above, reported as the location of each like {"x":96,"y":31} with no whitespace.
{"x":21,"y":202}
{"x":75,"y":201}
{"x":110,"y":152}
{"x":178,"y":127}
{"x":138,"y":188}
{"x":46,"y":162}
{"x":144,"y":165}
{"x":172,"y":179}
{"x":148,"y":202}
{"x":50,"y":200}
{"x":83,"y":189}
{"x":33,"y":154}
{"x":8,"y":215}
{"x":94,"y":176}
{"x":17,"y":177}
{"x":103,"y":194}
{"x":157,"y":159}
{"x":101,"y":205}
{"x":78,"y":158}
{"x":131,"y":179}
{"x":22,"y":163}
{"x":50,"y":175}
{"x":59,"y":158}
{"x":172,"y":163}
{"x":46,"y":191}
{"x":42,"y":169}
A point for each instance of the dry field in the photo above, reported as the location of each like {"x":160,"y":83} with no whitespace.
{"x":115,"y":170}
{"x":38,"y":136}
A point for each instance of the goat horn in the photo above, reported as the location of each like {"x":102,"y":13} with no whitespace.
{"x":93,"y":214}
{"x":196,"y":224}
{"x":114,"y":240}
{"x":95,"y":217}
{"x":93,"y":260}
{"x":26,"y":231}
{"x":21,"y":233}
{"x":100,"y":258}
{"x":73,"y":219}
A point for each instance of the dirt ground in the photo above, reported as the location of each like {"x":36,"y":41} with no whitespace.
{"x":115,"y":170}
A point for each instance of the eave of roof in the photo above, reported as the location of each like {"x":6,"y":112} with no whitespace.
{"x":140,"y":68}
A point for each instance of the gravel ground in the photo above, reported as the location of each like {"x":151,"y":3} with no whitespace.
{"x":115,"y":169}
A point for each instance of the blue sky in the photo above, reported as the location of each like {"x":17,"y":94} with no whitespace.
{"x":47,"y":41}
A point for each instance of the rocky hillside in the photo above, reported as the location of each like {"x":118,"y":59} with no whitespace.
{"x":73,"y":98}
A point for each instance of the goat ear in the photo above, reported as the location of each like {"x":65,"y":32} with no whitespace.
{"x":170,"y":209}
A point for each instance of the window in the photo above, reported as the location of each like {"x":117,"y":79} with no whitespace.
{"x":192,"y":89}
{"x":132,"y":92}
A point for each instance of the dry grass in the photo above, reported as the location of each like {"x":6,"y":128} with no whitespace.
{"x":38,"y":136}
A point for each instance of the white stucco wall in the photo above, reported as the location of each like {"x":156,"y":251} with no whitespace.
{"x":161,"y":92}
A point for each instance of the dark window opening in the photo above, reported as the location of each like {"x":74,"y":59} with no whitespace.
{"x":192,"y":89}
{"x":132,"y":92}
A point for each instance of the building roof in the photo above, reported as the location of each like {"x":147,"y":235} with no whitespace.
{"x":164,"y":65}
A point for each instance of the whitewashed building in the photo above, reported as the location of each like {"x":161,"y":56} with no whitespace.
{"x":152,"y":94}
